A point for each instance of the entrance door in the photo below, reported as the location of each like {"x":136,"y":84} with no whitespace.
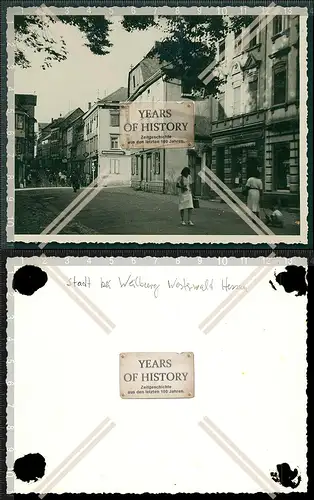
{"x":142,"y":167}
{"x":220,"y":163}
{"x":197,"y":179}
{"x":253,"y":160}
{"x":236,"y":166}
{"x":281,"y":166}
{"x":149,"y":166}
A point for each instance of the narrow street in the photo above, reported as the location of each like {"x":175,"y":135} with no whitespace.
{"x":121,"y":210}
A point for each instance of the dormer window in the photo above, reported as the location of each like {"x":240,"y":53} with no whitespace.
{"x":134,"y":81}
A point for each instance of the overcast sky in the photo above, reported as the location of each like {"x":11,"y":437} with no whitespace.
{"x":75,"y":82}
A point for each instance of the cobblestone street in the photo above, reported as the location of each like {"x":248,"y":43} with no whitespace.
{"x":125,"y":211}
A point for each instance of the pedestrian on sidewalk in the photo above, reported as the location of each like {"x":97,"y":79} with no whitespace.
{"x":184,"y":184}
{"x":75,"y":181}
{"x":253,"y":190}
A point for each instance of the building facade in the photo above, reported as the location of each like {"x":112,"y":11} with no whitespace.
{"x":157,"y":170}
{"x":256,"y":114}
{"x":75,"y":150}
{"x":24,"y":137}
{"x":103,"y":155}
{"x":52,"y":151}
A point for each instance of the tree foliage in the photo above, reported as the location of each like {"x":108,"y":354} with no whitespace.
{"x":33,"y":32}
{"x":187,"y":44}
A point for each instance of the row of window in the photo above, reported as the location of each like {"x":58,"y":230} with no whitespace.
{"x":114,"y":166}
{"x":281,"y":179}
{"x":114,"y":118}
{"x":252,"y":35}
{"x":19,"y":121}
{"x":279,"y":91}
{"x":114,"y":141}
{"x":92,"y":124}
{"x":92,"y":144}
{"x":149,"y":169}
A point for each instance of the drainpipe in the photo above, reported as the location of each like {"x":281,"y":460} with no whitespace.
{"x":264,"y":110}
{"x":164,"y":150}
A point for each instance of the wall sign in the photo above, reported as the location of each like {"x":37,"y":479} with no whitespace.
{"x":168,"y":124}
{"x":162,"y":375}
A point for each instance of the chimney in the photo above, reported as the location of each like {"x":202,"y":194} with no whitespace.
{"x":51,"y":120}
{"x":89,"y":105}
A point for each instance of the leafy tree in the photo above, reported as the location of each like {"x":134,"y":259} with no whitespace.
{"x":33,"y":32}
{"x":187,"y":47}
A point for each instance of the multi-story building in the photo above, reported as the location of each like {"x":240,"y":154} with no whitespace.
{"x":157,"y":169}
{"x":24,"y":136}
{"x":75,"y":149}
{"x":256,"y":114}
{"x":52,"y":144}
{"x":104,"y":157}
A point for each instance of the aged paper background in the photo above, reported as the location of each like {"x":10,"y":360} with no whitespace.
{"x":250,"y":380}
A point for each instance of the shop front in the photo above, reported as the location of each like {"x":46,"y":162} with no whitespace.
{"x":282,"y":165}
{"x":147,"y":170}
{"x":232,"y":155}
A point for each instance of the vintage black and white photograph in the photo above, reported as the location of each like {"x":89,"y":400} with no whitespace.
{"x":183,"y":125}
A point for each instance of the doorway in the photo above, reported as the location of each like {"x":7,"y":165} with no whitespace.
{"x":220,"y":163}
{"x":236,"y":166}
{"x":142,"y":167}
{"x":197,"y":178}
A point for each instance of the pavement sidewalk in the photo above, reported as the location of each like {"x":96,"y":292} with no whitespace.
{"x":222,"y":207}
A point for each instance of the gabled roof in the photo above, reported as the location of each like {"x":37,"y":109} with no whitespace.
{"x":56,"y":123}
{"x":66,"y":119}
{"x":149,"y":66}
{"x":119,"y":95}
{"x":42,"y":125}
{"x":62,"y":120}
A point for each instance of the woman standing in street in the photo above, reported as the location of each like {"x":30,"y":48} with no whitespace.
{"x":254,"y":188}
{"x":184,"y":184}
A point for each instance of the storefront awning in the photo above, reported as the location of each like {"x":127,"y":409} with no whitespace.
{"x":243,"y":145}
